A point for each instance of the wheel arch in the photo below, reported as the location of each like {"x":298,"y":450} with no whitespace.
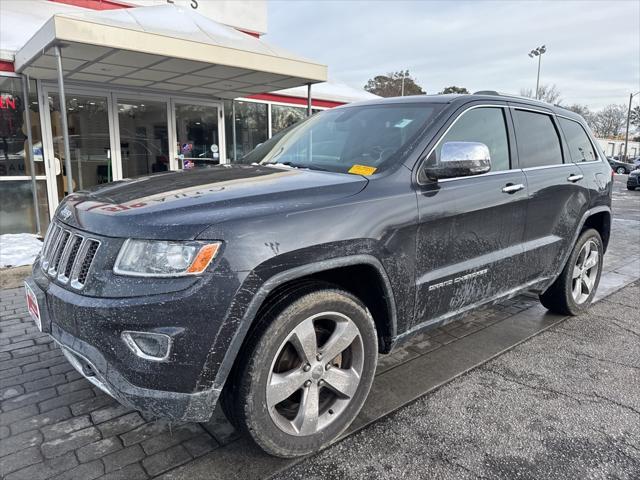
{"x":376,"y":294}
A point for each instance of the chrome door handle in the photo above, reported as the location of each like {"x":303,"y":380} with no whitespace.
{"x":575,"y":178}
{"x":511,"y":188}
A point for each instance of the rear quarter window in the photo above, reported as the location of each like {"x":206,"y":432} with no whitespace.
{"x":580,"y":147}
{"x":537,"y":139}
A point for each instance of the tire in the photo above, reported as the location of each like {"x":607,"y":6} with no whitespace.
{"x":631,"y":188}
{"x":621,"y":170}
{"x":256,"y":401}
{"x":572,"y":296}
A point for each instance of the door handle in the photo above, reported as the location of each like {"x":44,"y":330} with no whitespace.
{"x":574,"y":178}
{"x":511,"y":188}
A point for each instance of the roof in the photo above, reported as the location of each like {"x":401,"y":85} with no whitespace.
{"x":163,"y":47}
{"x":331,"y":91}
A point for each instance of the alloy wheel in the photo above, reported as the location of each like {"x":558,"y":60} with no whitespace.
{"x":585,"y":272}
{"x":315,"y":373}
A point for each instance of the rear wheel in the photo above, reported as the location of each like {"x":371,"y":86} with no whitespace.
{"x":305,"y":373}
{"x":621,"y":170}
{"x":574,"y":289}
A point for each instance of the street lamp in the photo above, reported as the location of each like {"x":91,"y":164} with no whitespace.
{"x":626,"y":136}
{"x":537,"y":52}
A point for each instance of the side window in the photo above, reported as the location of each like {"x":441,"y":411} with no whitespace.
{"x":537,"y":138}
{"x":580,"y":146}
{"x":485,"y":125}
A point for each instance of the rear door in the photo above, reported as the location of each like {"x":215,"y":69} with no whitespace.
{"x":557,"y":196}
{"x":470,"y":231}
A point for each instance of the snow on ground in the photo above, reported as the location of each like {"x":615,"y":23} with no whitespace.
{"x":18,"y":249}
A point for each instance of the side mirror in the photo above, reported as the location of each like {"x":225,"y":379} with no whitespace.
{"x":460,"y":159}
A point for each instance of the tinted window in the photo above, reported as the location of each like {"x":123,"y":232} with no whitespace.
{"x":580,"y":146}
{"x":484,"y":125}
{"x":538,"y":141}
{"x":337,"y":140}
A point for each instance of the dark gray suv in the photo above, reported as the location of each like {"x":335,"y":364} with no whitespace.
{"x":273,"y":285}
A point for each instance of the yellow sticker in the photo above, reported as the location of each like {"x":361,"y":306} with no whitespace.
{"x":362,"y":170}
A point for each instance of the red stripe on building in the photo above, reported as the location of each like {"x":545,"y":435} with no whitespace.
{"x":272,"y":97}
{"x":6,"y":66}
{"x":95,"y":4}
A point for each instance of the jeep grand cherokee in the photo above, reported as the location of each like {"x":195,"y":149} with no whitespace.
{"x":273,"y":285}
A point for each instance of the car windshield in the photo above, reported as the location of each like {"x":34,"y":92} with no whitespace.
{"x":364,"y":139}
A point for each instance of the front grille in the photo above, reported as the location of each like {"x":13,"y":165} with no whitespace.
{"x":67,"y":256}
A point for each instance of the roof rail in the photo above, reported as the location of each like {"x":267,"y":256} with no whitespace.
{"x":487,"y":92}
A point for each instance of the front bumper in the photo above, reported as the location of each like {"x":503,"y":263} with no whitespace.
{"x":633,"y":181}
{"x":88,"y":331}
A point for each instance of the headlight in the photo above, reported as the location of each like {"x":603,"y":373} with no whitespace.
{"x":158,"y":258}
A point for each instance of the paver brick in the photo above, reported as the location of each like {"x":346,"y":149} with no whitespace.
{"x":108,"y":413}
{"x":47,"y":469}
{"x":17,"y":346}
{"x":87,"y":471}
{"x":70,"y":442}
{"x":48,"y":363}
{"x":72,"y":386}
{"x":7,"y":362}
{"x":165,"y":460}
{"x":65,"y":427}
{"x":66,"y":399}
{"x":28,"y":399}
{"x":170,"y":437}
{"x":17,"y":414}
{"x":4,"y":432}
{"x":122,"y":458}
{"x":130,"y":472}
{"x":200,"y":444}
{"x":26,"y":377}
{"x":19,"y":442}
{"x":9,"y":392}
{"x":98,"y":449}
{"x":16,"y":461}
{"x":38,"y":421}
{"x":49,"y":381}
{"x":91,"y":404}
{"x":121,"y":424}
{"x":23,"y":352}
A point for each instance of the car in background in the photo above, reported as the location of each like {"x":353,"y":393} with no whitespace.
{"x":620,"y":167}
{"x":633,"y":181}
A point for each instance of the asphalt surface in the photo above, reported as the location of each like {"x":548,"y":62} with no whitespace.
{"x":565,"y":404}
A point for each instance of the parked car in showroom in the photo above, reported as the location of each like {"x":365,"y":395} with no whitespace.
{"x":273,"y":285}
{"x":620,"y":167}
{"x":633,"y":180}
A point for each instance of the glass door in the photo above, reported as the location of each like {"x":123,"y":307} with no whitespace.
{"x":90,"y":141}
{"x":198,"y":135}
{"x":143,"y":136}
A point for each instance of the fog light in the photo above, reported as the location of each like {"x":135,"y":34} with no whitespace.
{"x":150,"y":346}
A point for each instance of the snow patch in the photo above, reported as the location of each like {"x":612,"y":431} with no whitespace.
{"x":18,"y":249}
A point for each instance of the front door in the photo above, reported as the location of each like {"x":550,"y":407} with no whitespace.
{"x":471,"y":229}
{"x":199,"y":139}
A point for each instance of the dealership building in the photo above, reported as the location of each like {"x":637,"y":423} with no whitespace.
{"x":149,"y":86}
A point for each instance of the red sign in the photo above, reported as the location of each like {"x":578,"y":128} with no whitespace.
{"x":8,"y":103}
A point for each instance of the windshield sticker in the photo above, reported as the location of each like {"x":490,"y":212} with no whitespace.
{"x":362,"y":170}
{"x":403,"y":123}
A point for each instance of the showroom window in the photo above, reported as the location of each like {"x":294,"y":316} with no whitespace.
{"x":252,"y":127}
{"x":17,"y":211}
{"x":283,"y":116}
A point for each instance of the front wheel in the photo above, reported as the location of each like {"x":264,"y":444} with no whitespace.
{"x":305,"y":373}
{"x":574,"y":289}
{"x":621,"y":170}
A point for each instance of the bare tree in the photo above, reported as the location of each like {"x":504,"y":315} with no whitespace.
{"x":610,"y":121}
{"x":584,"y":112}
{"x":454,"y":89}
{"x":546,"y":93}
{"x":635,"y":116}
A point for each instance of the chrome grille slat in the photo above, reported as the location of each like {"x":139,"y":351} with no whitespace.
{"x":67,"y":256}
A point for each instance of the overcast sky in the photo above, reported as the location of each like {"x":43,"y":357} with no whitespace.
{"x":593,"y":48}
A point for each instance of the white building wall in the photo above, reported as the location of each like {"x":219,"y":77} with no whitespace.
{"x":616,"y":147}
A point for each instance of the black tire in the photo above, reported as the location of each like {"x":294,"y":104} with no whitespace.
{"x":245,"y":395}
{"x":558,"y":297}
{"x":621,"y":170}
{"x":631,"y":188}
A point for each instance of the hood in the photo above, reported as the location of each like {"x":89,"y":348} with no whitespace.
{"x":180,"y":205}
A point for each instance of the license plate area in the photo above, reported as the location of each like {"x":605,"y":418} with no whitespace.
{"x":36,"y":306}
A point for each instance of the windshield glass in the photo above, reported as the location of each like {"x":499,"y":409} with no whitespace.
{"x":372,"y":137}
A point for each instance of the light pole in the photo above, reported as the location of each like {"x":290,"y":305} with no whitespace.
{"x":626,"y":136}
{"x":537,"y":52}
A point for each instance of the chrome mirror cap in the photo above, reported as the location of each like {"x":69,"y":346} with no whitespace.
{"x":460,"y":159}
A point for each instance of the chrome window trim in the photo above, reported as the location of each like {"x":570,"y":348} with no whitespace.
{"x":545,"y":167}
{"x":488,"y":174}
{"x":444,"y":134}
